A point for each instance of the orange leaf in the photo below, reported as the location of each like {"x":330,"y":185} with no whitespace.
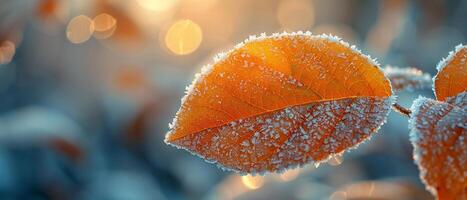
{"x":452,"y":72}
{"x":280,"y":101}
{"x":438,"y":132}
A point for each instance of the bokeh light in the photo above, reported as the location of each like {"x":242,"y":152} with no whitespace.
{"x":295,"y":15}
{"x":157,"y":5}
{"x":104,"y":25}
{"x":183,"y":37}
{"x":252,"y":182}
{"x":7,"y":51}
{"x":103,"y":22}
{"x":199,"y":5}
{"x":79,"y":29}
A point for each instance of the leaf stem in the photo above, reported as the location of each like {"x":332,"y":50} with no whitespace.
{"x":400,"y":109}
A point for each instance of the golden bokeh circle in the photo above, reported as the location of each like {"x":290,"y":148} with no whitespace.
{"x":79,"y":29}
{"x":183,"y":37}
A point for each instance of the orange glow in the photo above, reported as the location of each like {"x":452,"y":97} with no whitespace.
{"x":218,"y":26}
{"x":129,"y":79}
{"x":104,"y":22}
{"x":252,"y":182}
{"x":199,"y":5}
{"x":7,"y":51}
{"x":183,"y":37}
{"x":47,"y":7}
{"x":295,"y":15}
{"x":54,"y":10}
{"x":104,"y":25}
{"x":79,"y":29}
{"x":152,"y":21}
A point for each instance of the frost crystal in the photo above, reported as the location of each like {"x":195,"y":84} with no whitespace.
{"x":290,"y":137}
{"x":445,"y":61}
{"x":407,"y":78}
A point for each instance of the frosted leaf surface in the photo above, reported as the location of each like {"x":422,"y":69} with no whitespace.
{"x":266,"y":78}
{"x":407,"y":78}
{"x":290,"y":137}
{"x":438,"y":133}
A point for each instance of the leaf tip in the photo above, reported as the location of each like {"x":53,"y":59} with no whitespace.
{"x":445,"y":61}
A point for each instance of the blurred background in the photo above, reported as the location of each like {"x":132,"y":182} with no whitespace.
{"x":88,"y":87}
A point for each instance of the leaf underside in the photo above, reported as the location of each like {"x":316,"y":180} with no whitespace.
{"x":438,"y":133}
{"x":290,"y":137}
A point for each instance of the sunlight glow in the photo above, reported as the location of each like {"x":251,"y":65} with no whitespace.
{"x":252,"y":182}
{"x":157,"y":5}
{"x":295,"y":15}
{"x":183,"y":37}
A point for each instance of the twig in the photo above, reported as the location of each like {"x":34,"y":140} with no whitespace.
{"x":404,"y":111}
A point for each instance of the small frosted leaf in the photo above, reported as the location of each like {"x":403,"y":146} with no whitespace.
{"x":452,"y":74}
{"x":275,"y":102}
{"x":407,"y":78}
{"x":438,"y":133}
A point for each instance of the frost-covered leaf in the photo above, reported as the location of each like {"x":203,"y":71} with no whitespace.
{"x":452,"y":74}
{"x":280,"y":101}
{"x":438,"y":129}
{"x":407,"y":78}
{"x":438,"y":133}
